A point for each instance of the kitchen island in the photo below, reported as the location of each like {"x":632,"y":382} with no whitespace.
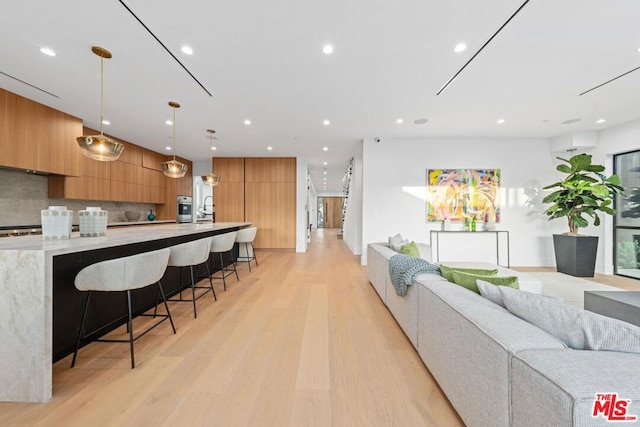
{"x":34,"y":276}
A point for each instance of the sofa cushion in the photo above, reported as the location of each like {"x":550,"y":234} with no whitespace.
{"x":559,"y":387}
{"x":492,"y":293}
{"x":410,"y":249}
{"x":577,"y":328}
{"x":447,"y":271}
{"x":468,"y":280}
{"x":396,"y":242}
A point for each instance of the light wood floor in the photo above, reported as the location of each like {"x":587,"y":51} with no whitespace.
{"x":303,"y":340}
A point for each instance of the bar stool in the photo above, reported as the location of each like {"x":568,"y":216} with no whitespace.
{"x":246,"y":236}
{"x":123,"y":275}
{"x":222,"y":244}
{"x":192,"y":254}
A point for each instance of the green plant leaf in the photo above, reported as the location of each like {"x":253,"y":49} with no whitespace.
{"x":580,"y":162}
{"x":594,"y":168}
{"x":614,"y":179}
{"x":564,"y":168}
{"x":580,"y":222}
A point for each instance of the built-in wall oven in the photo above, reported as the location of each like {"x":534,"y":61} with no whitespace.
{"x":184,"y":208}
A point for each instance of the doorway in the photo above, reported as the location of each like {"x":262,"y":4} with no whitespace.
{"x":330,"y":212}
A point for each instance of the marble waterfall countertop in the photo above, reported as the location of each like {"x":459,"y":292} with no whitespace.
{"x":26,"y":298}
{"x":116,"y":236}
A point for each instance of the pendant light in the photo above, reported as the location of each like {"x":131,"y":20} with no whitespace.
{"x":211,"y":179}
{"x":100,"y":147}
{"x":173,"y":168}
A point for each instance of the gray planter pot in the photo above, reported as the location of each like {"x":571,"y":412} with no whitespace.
{"x":576,"y":255}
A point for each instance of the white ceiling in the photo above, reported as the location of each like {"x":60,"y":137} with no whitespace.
{"x":263,"y":60}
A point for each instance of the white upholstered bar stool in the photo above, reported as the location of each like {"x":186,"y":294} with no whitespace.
{"x":244,"y":238}
{"x":123,"y":275}
{"x":222,"y":244}
{"x":192,"y":254}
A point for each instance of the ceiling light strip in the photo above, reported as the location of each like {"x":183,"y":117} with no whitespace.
{"x":29,"y":84}
{"x":609,"y":81}
{"x":165,"y":47}
{"x":446,"y":85}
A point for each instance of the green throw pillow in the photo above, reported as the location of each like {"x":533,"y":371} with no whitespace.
{"x":468,"y":281}
{"x":411,"y":249}
{"x":447,"y":272}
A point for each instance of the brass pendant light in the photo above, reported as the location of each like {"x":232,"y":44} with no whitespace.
{"x":173,"y":168}
{"x":211,"y":179}
{"x":100,"y":147}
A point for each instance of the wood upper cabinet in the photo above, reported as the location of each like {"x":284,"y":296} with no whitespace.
{"x":228,"y":195}
{"x":34,"y":136}
{"x":152,"y":160}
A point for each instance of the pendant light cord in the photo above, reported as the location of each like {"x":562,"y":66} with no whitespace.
{"x":174,"y":133}
{"x":101,"y":93}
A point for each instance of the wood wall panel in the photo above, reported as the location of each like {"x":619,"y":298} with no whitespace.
{"x":260,"y":211}
{"x":285,"y":169}
{"x":229,"y":202}
{"x":259,"y":169}
{"x":229,"y":169}
{"x":285,"y":215}
{"x":79,"y":187}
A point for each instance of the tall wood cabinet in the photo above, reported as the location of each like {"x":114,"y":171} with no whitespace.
{"x":261,"y":191}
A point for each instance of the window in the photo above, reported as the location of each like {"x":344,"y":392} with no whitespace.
{"x":627,"y":221}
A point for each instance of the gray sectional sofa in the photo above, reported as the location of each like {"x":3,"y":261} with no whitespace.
{"x":495,"y":368}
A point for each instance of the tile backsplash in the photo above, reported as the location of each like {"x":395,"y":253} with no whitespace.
{"x":23,"y":195}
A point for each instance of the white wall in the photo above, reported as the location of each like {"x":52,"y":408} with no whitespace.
{"x":394,"y":190}
{"x":615,"y":140}
{"x":352,"y":231}
{"x":301,"y":204}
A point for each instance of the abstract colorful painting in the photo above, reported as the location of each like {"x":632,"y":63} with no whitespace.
{"x":459,"y":194}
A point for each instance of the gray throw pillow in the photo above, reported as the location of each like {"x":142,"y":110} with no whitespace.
{"x":578,"y":329}
{"x":395,"y":241}
{"x":490,"y":292}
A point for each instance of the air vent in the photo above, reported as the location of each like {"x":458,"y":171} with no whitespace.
{"x":571,"y":121}
{"x":29,"y":84}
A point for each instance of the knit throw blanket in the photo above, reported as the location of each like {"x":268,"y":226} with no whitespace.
{"x":403,"y":269}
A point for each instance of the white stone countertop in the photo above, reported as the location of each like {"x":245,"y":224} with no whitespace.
{"x":116,"y":236}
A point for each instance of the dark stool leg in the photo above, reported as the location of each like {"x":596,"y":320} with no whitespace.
{"x":193,"y":293}
{"x":235,"y":270}
{"x":84,"y":316}
{"x":130,"y":326}
{"x":246,"y":249}
{"x":166,"y":306}
{"x":222,"y":271}
{"x":254,"y":254}
{"x":210,"y":281}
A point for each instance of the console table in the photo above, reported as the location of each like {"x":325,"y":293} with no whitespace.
{"x":621,"y":305}
{"x":436,"y":235}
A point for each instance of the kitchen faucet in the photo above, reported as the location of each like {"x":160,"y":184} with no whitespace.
{"x":205,"y":206}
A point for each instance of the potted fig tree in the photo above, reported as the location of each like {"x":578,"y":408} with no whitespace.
{"x":584,"y":192}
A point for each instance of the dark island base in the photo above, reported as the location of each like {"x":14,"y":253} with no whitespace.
{"x":107,"y":310}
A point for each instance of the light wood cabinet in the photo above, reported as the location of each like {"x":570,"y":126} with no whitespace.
{"x":261,"y":191}
{"x":36,"y":137}
{"x":152,"y":160}
{"x":228,"y":195}
{"x":82,"y":187}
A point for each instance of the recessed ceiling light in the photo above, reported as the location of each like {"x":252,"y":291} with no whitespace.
{"x":325,"y":163}
{"x":325,"y":172}
{"x":214,"y":148}
{"x":247,"y":122}
{"x":106,"y":122}
{"x":420,"y":121}
{"x":460,"y":47}
{"x":167,"y":148}
{"x":269,"y":148}
{"x":325,"y":148}
{"x":600,"y":121}
{"x":169,"y":122}
{"x":47,"y":51}
{"x":326,"y":122}
{"x":187,"y":50}
{"x":399,"y":121}
{"x":500,"y":121}
{"x":327,"y":49}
